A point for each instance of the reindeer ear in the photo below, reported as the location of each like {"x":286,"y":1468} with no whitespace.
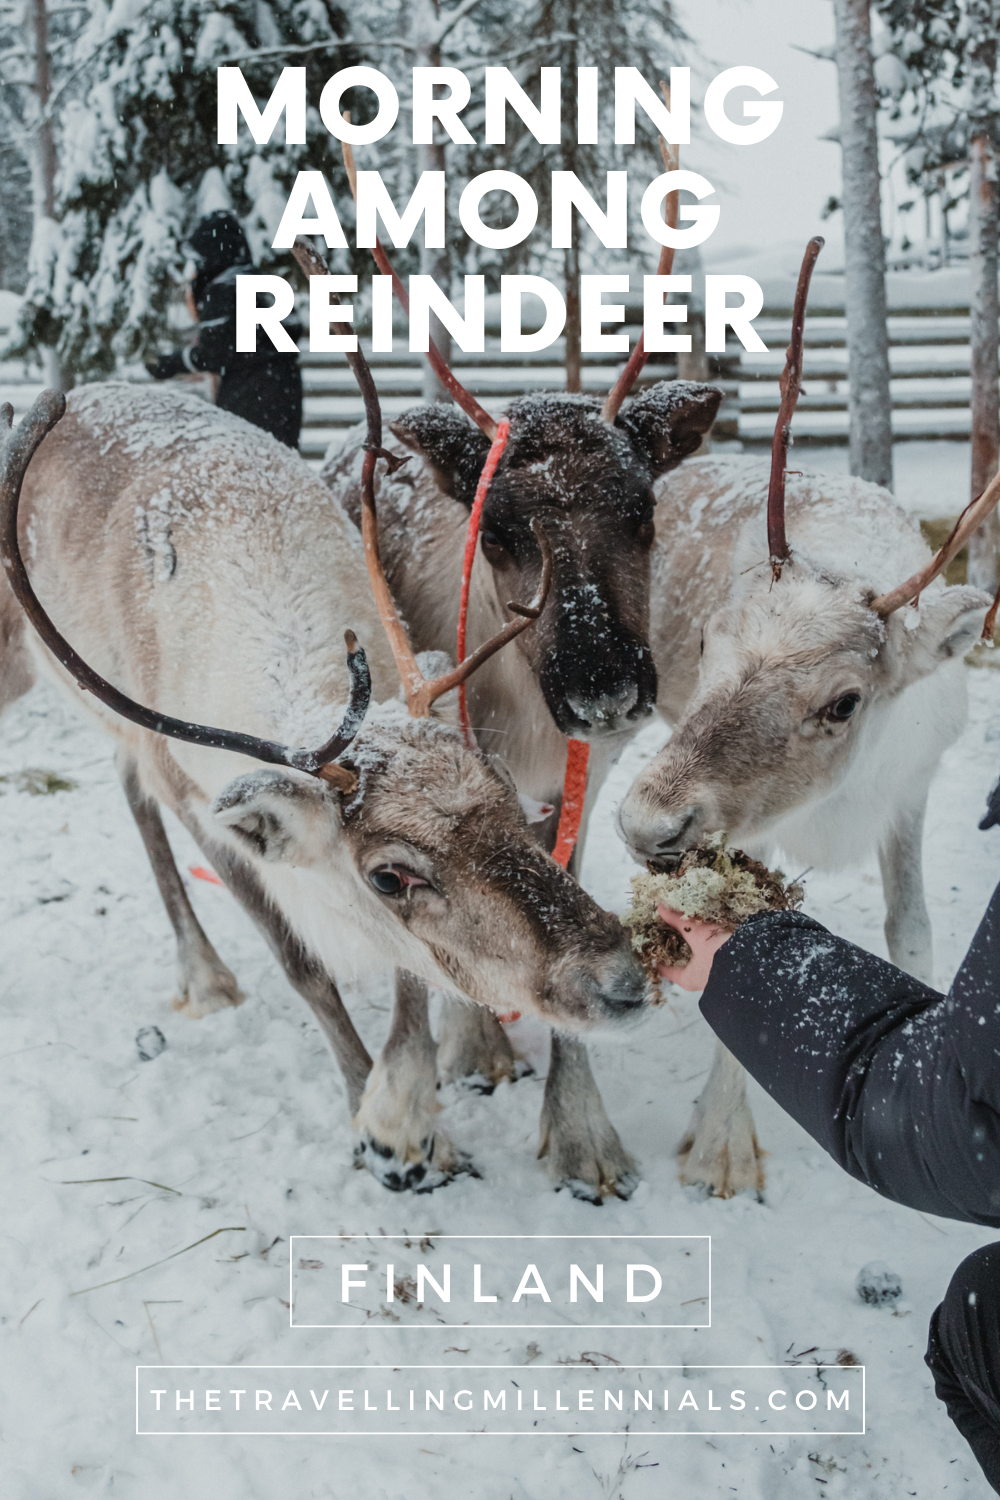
{"x":668,"y":422}
{"x":278,"y":818}
{"x":948,"y":624}
{"x":454,"y":448}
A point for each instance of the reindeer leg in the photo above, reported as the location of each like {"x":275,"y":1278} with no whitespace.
{"x":205,"y":984}
{"x":907,"y":924}
{"x":719,"y":1150}
{"x":17,"y":672}
{"x":399,"y":1139}
{"x":474,"y":1049}
{"x":583,"y":1148}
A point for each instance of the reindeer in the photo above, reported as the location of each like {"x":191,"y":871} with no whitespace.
{"x":586,"y":670}
{"x":809,"y":714}
{"x":589,"y":675}
{"x":199,"y":566}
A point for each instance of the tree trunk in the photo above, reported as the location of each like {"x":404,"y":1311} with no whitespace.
{"x":984,"y":342}
{"x":435,"y":263}
{"x":571,"y":263}
{"x":694,"y":366}
{"x":864,"y":266}
{"x":571,"y":255}
{"x":45,"y":145}
{"x":42,"y":158}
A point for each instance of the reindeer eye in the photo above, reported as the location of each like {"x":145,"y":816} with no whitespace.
{"x":393,"y":880}
{"x":843,"y":707}
{"x":494,"y":550}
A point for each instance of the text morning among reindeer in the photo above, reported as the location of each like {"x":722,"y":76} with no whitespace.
{"x":671,"y":117}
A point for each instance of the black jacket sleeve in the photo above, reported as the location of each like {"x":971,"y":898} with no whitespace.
{"x":215,"y":345}
{"x":900,"y":1084}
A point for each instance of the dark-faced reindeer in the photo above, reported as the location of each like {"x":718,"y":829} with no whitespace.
{"x":586,"y":670}
{"x":586,"y":472}
{"x":810,"y":709}
{"x":197,"y":565}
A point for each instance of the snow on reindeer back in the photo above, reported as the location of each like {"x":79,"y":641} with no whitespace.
{"x":218,"y":499}
{"x":224,"y":461}
{"x":839,"y":527}
{"x":146,"y":419}
{"x":147,"y":423}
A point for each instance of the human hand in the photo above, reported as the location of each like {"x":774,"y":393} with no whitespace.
{"x":703,"y":938}
{"x":167,"y":366}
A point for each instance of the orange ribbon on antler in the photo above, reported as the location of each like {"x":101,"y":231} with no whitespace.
{"x":578,"y":753}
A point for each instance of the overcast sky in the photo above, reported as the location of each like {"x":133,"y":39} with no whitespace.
{"x":771,"y":193}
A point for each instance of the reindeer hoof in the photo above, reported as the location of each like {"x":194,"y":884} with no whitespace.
{"x":622,"y":1187}
{"x":474,"y":1051}
{"x":202,"y":994}
{"x":480,"y":1083}
{"x":590,"y":1164}
{"x":440,"y":1162}
{"x":723,"y":1166}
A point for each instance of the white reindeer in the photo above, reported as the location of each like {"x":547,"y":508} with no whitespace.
{"x":810,"y":712}
{"x":198,"y":566}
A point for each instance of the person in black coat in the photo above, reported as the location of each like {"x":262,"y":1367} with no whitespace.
{"x":899,"y":1083}
{"x":266,"y":387}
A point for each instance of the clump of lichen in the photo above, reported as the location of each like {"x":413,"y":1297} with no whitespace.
{"x":712,"y":882}
{"x":38,"y":782}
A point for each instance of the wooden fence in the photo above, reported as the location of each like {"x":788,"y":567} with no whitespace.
{"x":929,"y":353}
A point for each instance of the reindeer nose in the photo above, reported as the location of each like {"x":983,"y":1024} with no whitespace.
{"x":656,"y":835}
{"x":604,"y":711}
{"x":628,"y":992}
{"x":618,"y":990}
{"x":671,"y":831}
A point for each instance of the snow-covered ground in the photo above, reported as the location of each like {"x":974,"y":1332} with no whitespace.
{"x":241,"y":1122}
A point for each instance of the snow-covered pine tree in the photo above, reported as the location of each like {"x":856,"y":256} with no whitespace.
{"x":870,"y":402}
{"x":36,"y":38}
{"x":572,"y":34}
{"x":134,"y":124}
{"x":947,"y":52}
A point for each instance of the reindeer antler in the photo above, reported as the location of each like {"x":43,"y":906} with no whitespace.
{"x":791,"y":384}
{"x":972,"y":516}
{"x":420,"y":692}
{"x":638,"y":357}
{"x":16,"y":452}
{"x":448,"y":379}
